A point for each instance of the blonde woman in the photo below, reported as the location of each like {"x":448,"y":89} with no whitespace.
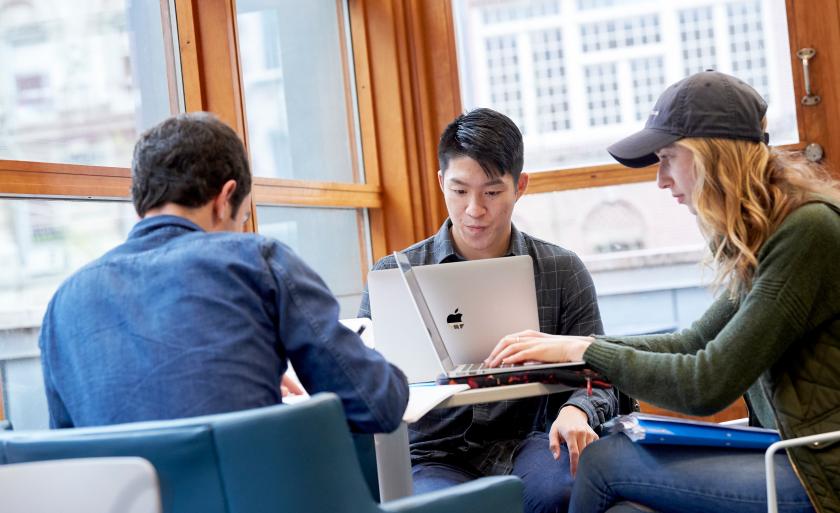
{"x":772,"y":222}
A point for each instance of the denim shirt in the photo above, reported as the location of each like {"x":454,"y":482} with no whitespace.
{"x":176,"y":322}
{"x":486,"y":436}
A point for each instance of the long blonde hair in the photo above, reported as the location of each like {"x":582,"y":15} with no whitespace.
{"x":743,"y":192}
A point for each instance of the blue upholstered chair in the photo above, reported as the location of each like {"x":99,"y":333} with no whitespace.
{"x":296,"y":458}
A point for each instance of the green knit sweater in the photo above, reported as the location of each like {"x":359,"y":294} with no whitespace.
{"x":781,"y":342}
{"x":701,"y":370}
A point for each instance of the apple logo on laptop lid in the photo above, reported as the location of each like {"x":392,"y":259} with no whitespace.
{"x":454,"y":320}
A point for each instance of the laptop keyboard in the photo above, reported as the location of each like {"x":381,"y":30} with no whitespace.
{"x":474,"y":368}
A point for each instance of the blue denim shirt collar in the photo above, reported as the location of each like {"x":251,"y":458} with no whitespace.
{"x":150,"y":224}
{"x":444,"y":249}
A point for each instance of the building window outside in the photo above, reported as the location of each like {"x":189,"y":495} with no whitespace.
{"x":648,"y":83}
{"x":550,"y":81}
{"x":697,"y":34}
{"x":32,"y":90}
{"x":604,"y":104}
{"x":749,"y":59}
{"x":576,"y":75}
{"x":503,"y":79}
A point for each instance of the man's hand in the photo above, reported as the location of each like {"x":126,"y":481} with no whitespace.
{"x":290,"y":386}
{"x":571,"y":426}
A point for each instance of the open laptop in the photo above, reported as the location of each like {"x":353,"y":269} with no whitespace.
{"x":458,"y":293}
{"x":467,"y":372}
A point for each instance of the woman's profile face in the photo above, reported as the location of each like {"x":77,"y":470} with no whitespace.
{"x":676,"y":172}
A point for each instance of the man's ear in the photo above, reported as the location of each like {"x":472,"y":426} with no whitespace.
{"x":221,"y":203}
{"x":522,"y":185}
{"x":440,"y":178}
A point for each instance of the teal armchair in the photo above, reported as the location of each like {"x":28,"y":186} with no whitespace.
{"x":296,"y":458}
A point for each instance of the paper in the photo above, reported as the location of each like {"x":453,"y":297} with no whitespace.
{"x":422,"y":398}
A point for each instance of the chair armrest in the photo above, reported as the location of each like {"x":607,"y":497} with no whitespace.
{"x":501,"y":494}
{"x":815,"y":440}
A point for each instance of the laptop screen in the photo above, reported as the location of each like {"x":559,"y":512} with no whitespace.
{"x":422,"y":307}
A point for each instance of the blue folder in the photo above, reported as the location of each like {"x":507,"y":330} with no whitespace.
{"x":656,"y":429}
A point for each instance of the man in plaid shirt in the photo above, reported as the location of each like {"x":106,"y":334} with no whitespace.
{"x":481,"y":158}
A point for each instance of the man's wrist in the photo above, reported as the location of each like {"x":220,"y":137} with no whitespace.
{"x":580,"y":411}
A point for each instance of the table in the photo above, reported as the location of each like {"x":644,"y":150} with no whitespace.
{"x":392,"y":457}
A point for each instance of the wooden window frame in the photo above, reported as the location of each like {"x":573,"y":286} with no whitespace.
{"x":407,"y":87}
{"x":212,"y":81}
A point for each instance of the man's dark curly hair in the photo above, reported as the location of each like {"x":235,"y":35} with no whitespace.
{"x":186,"y":160}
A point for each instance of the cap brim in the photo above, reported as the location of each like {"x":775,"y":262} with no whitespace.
{"x":639,"y":149}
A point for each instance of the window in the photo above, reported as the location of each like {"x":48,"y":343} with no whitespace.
{"x":41,"y":243}
{"x":586,"y":73}
{"x":302,"y":115}
{"x":697,"y":34}
{"x":648,"y":82}
{"x":31,"y":90}
{"x":577,"y":76}
{"x":299,"y":95}
{"x":328,"y":240}
{"x":642,"y":249}
{"x":66,"y":93}
{"x":79,"y":82}
{"x":550,"y":80}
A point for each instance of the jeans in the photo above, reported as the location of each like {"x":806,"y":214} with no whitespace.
{"x":682,"y":479}
{"x":547,"y":482}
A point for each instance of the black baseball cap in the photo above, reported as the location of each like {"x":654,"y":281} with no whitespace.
{"x":706,"y":104}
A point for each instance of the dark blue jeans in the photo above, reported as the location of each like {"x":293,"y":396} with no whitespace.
{"x":680,"y":479}
{"x":546,"y":483}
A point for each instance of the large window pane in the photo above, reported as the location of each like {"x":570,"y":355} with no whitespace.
{"x":642,"y":248}
{"x":577,"y":75}
{"x":80,"y":80}
{"x":299,"y":95}
{"x":330,"y":240}
{"x":41,"y":243}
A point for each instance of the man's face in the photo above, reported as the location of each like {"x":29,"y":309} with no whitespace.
{"x":676,"y":172}
{"x":480,"y":207}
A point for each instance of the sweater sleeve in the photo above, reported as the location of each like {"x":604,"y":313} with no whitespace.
{"x":687,"y":341}
{"x":796,"y":266}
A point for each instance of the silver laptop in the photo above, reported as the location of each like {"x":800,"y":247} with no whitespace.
{"x":450,"y":368}
{"x":475,"y":304}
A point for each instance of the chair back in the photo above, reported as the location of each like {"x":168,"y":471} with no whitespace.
{"x":279,"y":458}
{"x":90,"y":485}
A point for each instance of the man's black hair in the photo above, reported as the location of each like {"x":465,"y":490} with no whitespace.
{"x":486,"y":136}
{"x":186,"y":160}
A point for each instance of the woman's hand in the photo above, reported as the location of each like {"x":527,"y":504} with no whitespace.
{"x":530,"y":345}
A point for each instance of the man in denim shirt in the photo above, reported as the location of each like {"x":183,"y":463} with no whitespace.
{"x":481,"y":158}
{"x":191,"y":317}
